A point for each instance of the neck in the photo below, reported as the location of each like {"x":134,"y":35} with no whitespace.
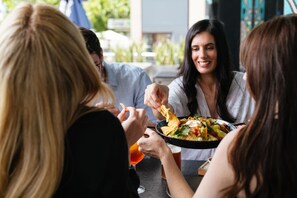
{"x":208,"y":82}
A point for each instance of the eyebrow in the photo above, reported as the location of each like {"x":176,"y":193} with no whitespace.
{"x":203,"y":45}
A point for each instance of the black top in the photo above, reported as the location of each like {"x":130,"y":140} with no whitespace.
{"x":96,"y":159}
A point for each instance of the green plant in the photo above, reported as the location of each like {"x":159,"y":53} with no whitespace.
{"x":99,"y":11}
{"x":181,"y":49}
{"x":9,"y":5}
{"x":12,"y":4}
{"x":137,"y":49}
{"x":131,"y":54}
{"x":122,"y":54}
{"x":165,"y":52}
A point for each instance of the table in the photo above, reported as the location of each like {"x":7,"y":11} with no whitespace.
{"x":149,"y":171}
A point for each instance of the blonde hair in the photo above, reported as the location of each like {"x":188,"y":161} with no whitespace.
{"x":47,"y":78}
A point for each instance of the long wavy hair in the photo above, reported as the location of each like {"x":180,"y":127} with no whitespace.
{"x":266,"y":149}
{"x":223,"y":71}
{"x":47,"y":78}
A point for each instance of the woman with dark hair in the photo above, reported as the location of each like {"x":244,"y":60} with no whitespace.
{"x":206,"y":84}
{"x":258,"y":160}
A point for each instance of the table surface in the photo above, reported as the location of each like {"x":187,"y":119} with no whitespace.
{"x":149,"y":171}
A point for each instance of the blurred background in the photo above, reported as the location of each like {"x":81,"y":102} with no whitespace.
{"x":151,"y":33}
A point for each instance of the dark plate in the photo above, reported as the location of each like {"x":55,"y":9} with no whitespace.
{"x":189,"y":143}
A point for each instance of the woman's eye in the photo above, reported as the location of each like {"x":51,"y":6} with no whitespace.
{"x":195,"y":48}
{"x":210,"y":47}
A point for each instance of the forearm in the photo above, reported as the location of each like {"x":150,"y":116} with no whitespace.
{"x":177,"y":184}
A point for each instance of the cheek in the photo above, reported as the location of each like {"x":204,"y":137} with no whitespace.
{"x":214,"y":55}
{"x":194,"y":56}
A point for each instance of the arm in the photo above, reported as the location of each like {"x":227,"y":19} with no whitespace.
{"x":155,"y":146}
{"x":219,"y":174}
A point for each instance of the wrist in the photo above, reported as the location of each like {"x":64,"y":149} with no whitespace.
{"x":166,"y":154}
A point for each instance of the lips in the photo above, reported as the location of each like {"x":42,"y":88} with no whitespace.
{"x":204,"y":63}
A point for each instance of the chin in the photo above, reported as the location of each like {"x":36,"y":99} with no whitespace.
{"x":205,"y":70}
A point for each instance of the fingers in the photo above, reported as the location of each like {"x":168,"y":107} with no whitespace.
{"x":156,"y":95}
{"x":149,"y":132}
{"x":151,"y":144}
{"x":139,"y":115}
{"x":122,"y":115}
{"x":143,"y":118}
{"x":135,"y":124}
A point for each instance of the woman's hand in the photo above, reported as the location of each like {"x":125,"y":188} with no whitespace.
{"x":153,"y":145}
{"x":156,"y":95}
{"x":134,"y":125}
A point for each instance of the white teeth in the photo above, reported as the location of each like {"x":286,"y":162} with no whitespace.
{"x":203,"y":62}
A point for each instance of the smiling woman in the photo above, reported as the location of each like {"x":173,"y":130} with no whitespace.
{"x":206,"y":85}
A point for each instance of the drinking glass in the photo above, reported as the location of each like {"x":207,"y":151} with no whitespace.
{"x":135,"y":157}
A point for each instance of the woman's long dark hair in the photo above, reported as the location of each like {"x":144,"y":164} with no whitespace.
{"x":223,"y":69}
{"x":266,"y":149}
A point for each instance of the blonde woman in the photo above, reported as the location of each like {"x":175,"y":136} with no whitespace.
{"x":51,"y":143}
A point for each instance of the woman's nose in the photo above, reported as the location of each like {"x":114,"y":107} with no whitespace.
{"x":202,"y":53}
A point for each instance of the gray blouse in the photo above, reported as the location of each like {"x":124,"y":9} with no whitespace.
{"x":239,"y":103}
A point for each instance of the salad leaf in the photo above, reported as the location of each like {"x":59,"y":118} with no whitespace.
{"x":182,"y":131}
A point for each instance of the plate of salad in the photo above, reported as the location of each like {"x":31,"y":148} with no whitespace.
{"x":192,"y":131}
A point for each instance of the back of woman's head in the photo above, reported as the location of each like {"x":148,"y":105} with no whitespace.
{"x":269,"y":55}
{"x":269,"y":140}
{"x":46,"y":76}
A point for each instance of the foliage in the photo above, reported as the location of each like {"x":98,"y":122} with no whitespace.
{"x":180,"y":52}
{"x":99,"y":11}
{"x":12,"y":4}
{"x":132,"y":54}
{"x":137,"y":49}
{"x":9,"y":5}
{"x":122,"y":54}
{"x":165,"y":52}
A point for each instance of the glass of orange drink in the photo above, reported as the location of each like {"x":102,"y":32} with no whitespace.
{"x":135,"y":157}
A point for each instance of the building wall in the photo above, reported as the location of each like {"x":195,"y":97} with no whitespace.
{"x":165,"y":16}
{"x":197,"y":11}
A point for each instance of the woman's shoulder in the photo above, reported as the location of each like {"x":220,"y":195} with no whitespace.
{"x":238,"y":81}
{"x":97,"y":116}
{"x":94,"y":122}
{"x":177,"y":82}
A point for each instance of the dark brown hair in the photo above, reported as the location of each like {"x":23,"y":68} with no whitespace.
{"x":223,"y":69}
{"x":92,"y":41}
{"x":266,"y":148}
